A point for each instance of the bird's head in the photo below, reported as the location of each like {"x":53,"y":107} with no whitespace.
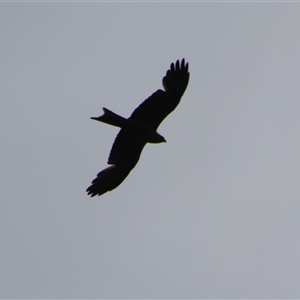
{"x":159,"y":138}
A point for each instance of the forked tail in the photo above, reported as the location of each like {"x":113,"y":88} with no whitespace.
{"x":111,"y":118}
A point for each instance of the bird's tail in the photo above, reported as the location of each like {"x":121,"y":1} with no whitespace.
{"x":111,"y":118}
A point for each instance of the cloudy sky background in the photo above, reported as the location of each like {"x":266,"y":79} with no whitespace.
{"x":213,"y":213}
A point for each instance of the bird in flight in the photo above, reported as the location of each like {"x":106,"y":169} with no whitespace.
{"x":139,"y":129}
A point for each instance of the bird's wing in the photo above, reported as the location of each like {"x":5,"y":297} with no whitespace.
{"x":155,"y":108}
{"x":107,"y":180}
{"x":123,"y":157}
{"x":126,"y":150}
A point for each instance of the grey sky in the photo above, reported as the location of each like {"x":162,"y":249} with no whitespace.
{"x":213,"y":213}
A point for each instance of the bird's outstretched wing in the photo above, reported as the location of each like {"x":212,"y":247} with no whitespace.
{"x":155,"y":108}
{"x":126,"y":150}
{"x":123,"y":157}
{"x":107,"y":180}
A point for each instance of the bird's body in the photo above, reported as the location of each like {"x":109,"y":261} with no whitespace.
{"x":136,"y":128}
{"x":139,"y":129}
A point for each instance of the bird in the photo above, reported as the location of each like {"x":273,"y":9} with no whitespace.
{"x":139,"y":129}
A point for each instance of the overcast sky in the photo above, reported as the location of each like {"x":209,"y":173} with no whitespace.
{"x":213,"y":213}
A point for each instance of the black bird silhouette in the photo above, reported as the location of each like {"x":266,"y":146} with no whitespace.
{"x":139,"y":129}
